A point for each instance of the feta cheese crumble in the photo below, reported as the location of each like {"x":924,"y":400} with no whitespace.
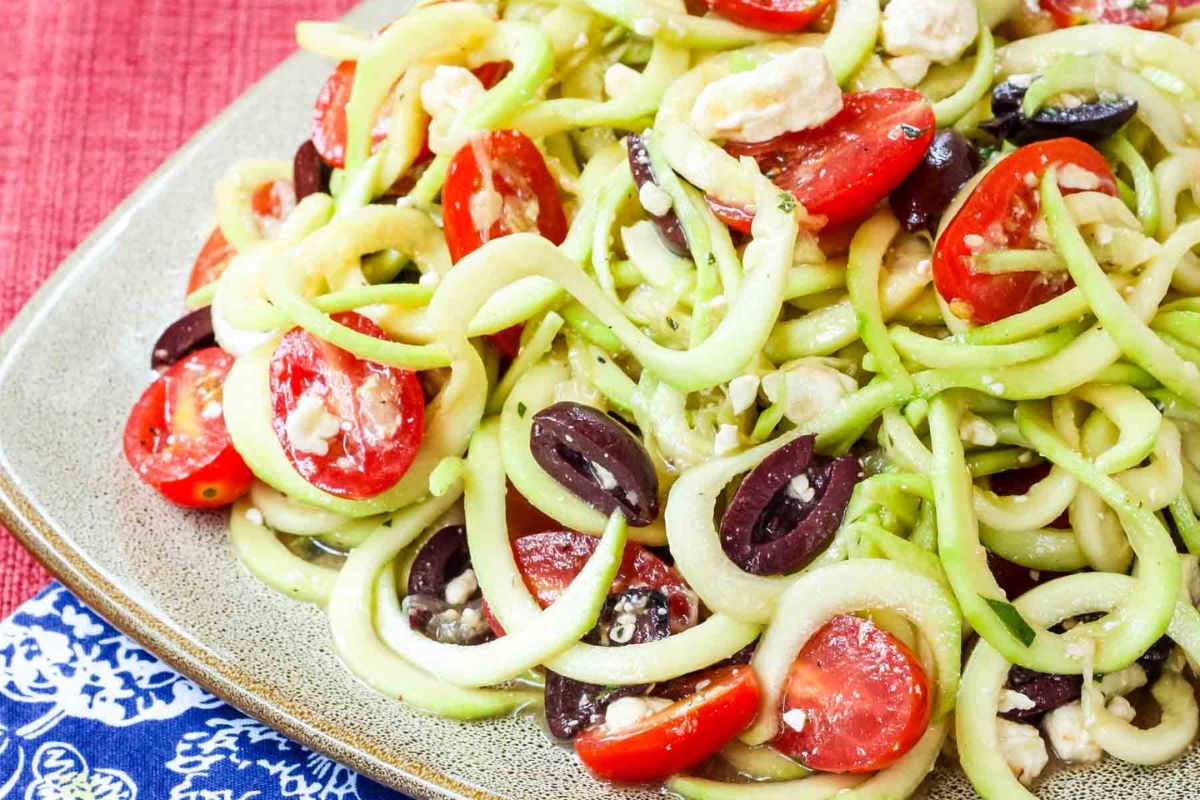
{"x":793,"y":92}
{"x":625,"y":712}
{"x":795,"y":719}
{"x":807,"y":387}
{"x":726,"y":440}
{"x":460,"y":589}
{"x":1068,"y":735}
{"x":939,"y":30}
{"x":448,"y":94}
{"x":619,"y":80}
{"x":743,"y":390}
{"x":1023,"y":749}
{"x":1073,"y":176}
{"x":1014,"y":701}
{"x":654,"y":199}
{"x":310,"y":426}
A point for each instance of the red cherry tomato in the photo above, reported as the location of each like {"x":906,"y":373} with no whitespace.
{"x":523,"y":517}
{"x":681,"y":736}
{"x":1150,"y":14}
{"x":271,"y":202}
{"x":176,"y":440}
{"x":781,"y":16}
{"x":214,"y":257}
{"x":498,"y":184}
{"x":329,"y":117}
{"x":843,"y":168}
{"x":864,"y":697}
{"x":365,"y":420}
{"x":1000,"y":214}
{"x":550,"y":561}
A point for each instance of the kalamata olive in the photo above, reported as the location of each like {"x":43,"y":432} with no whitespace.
{"x":1016,"y":580}
{"x":634,"y":616}
{"x":597,"y":460}
{"x":1153,"y":659}
{"x":787,"y":509}
{"x":310,"y":173}
{"x":446,"y":622}
{"x":1090,"y":122}
{"x":667,"y":224}
{"x":193,"y":331}
{"x":440,"y":560}
{"x":1047,"y":692}
{"x":927,"y":192}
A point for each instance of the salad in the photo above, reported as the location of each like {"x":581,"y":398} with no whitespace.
{"x":777,"y":396}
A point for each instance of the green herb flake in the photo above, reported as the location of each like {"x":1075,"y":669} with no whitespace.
{"x":672,"y":324}
{"x":787,"y":203}
{"x":1013,"y":620}
{"x":912,"y":131}
{"x":521,"y":409}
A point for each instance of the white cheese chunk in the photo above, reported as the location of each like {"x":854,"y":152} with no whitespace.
{"x":254,"y":516}
{"x":939,"y":30}
{"x":448,"y":94}
{"x":802,"y":489}
{"x":976,"y":430}
{"x":310,"y":426}
{"x":1014,"y":701}
{"x":1068,"y":735}
{"x":625,"y":712}
{"x":654,"y":199}
{"x":460,"y":589}
{"x":911,"y":70}
{"x":1073,"y":176}
{"x":793,"y":92}
{"x":726,"y":440}
{"x":1023,"y":748}
{"x":810,"y":386}
{"x":795,"y":719}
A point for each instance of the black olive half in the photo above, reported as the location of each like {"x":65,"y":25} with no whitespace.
{"x":1089,"y":122}
{"x":927,"y":192}
{"x":191,"y":332}
{"x":667,"y":224}
{"x":787,"y":509}
{"x":597,"y":459}
{"x":310,"y":173}
{"x":634,"y":616}
{"x":442,"y":559}
{"x":1044,"y":691}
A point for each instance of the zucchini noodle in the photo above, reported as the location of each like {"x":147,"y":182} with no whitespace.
{"x":710,"y":310}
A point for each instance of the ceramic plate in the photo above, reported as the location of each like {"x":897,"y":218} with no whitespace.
{"x":72,"y":364}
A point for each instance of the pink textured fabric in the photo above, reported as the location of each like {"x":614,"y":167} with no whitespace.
{"x":98,"y":93}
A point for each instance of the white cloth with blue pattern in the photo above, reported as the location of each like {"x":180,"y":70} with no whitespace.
{"x":87,"y":713}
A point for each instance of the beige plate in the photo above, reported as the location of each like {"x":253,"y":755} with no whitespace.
{"x":74,"y":361}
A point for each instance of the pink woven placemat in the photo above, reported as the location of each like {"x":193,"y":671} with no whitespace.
{"x":98,"y":93}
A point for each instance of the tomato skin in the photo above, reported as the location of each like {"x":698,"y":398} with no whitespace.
{"x":679,"y":737}
{"x":363,"y":457}
{"x":329,"y":117}
{"x":864,"y":695}
{"x":214,"y":257}
{"x":841,"y":169}
{"x":175,"y":438}
{"x":780,"y":16}
{"x":550,"y":561}
{"x":1154,"y":16}
{"x":1002,"y":209}
{"x":529,"y":196}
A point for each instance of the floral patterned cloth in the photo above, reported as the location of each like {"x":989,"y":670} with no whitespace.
{"x":87,"y":714}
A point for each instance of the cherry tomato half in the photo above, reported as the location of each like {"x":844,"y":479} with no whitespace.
{"x":781,"y":16}
{"x":863,"y":696}
{"x":681,"y":736}
{"x":329,"y":117}
{"x":271,"y":202}
{"x":350,"y":427}
{"x":176,"y":440}
{"x":1149,"y":14}
{"x":844,"y":167}
{"x":498,"y":184}
{"x":1000,"y":214}
{"x":550,"y":561}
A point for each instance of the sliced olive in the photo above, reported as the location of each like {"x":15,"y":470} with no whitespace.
{"x":634,"y":616}
{"x":1089,"y":122}
{"x":1153,"y":659}
{"x":193,"y":331}
{"x":310,"y":173}
{"x":667,"y":224}
{"x":448,"y":623}
{"x":927,"y":192}
{"x":787,"y":509}
{"x":596,"y":459}
{"x":1046,"y":692}
{"x":440,"y":560}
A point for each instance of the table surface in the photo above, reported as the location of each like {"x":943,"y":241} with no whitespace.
{"x":100,"y":92}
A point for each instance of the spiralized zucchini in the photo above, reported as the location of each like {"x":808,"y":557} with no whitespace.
{"x":718,"y":348}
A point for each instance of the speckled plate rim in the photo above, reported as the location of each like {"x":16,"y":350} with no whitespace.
{"x":56,"y":551}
